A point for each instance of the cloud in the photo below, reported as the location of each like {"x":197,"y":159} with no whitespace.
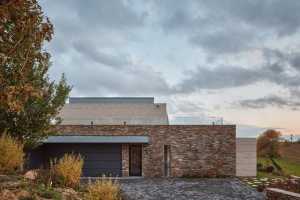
{"x":91,"y":53}
{"x":223,"y":41}
{"x":273,"y":100}
{"x":277,"y":68}
{"x":282,"y":17}
{"x":121,"y":47}
{"x":219,"y":77}
{"x":230,"y":26}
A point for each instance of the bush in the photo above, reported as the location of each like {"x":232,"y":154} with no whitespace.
{"x":11,"y":154}
{"x":45,"y":177}
{"x":269,"y":169}
{"x":104,"y":189}
{"x":260,"y":167}
{"x":67,"y":171}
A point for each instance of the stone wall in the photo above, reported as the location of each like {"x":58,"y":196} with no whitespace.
{"x":196,"y":150}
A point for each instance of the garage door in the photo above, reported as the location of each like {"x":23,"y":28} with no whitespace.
{"x":99,"y":159}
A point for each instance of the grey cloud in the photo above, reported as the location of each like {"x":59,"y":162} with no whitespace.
{"x":97,"y":20}
{"x":231,"y":26}
{"x":113,"y":14}
{"x":275,"y":101}
{"x":223,"y":41}
{"x":220,"y":77}
{"x":295,"y":61}
{"x":95,"y":39}
{"x":276,"y":70}
{"x":90,"y":52}
{"x":280,"y":16}
{"x":99,"y":80}
{"x":281,"y":58}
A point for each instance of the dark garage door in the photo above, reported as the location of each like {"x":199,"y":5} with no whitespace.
{"x":99,"y":159}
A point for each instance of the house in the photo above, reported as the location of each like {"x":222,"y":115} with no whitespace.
{"x":132,"y":137}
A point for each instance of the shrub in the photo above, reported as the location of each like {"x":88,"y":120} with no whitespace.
{"x":104,"y":189}
{"x":67,"y":170}
{"x":269,"y":169}
{"x":47,"y":193}
{"x":11,"y":154}
{"x":268,"y":144}
{"x":45,"y":177}
{"x":260,"y":167}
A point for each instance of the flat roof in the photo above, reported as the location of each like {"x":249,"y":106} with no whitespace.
{"x":96,"y":139}
{"x":118,"y":100}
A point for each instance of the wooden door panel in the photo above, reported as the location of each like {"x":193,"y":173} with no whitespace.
{"x":135,"y":160}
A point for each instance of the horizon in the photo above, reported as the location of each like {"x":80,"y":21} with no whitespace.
{"x":229,"y":60}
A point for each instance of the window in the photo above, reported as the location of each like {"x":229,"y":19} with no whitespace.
{"x":167,"y":160}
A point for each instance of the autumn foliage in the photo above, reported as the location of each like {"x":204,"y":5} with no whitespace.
{"x":67,"y":170}
{"x":268,"y":144}
{"x":103,"y":189}
{"x":11,"y":154}
{"x":29,"y":101}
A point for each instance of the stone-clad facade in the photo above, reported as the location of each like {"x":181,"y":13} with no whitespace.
{"x":195,"y":150}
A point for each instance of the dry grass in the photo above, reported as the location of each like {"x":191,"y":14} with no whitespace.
{"x":11,"y":154}
{"x":290,"y":151}
{"x":104,"y":189}
{"x":67,"y":170}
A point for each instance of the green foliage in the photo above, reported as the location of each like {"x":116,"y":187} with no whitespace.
{"x":288,"y":167}
{"x":11,"y":154}
{"x":268,"y":144}
{"x":29,"y":101}
{"x":48,"y":193}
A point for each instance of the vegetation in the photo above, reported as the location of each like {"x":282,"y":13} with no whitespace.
{"x":289,"y":167}
{"x":67,"y":170}
{"x":290,"y":151}
{"x":11,"y":154}
{"x":277,"y":159}
{"x":268,"y":144}
{"x":29,"y":101}
{"x":104,"y":189}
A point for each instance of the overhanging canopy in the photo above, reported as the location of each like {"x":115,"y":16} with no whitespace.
{"x":96,"y":139}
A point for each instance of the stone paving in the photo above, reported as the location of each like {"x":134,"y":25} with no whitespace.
{"x":187,"y":189}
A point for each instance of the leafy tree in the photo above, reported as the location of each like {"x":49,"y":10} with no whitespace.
{"x":268,"y":144}
{"x":29,"y":101}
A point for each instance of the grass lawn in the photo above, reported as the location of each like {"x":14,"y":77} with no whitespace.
{"x":289,"y":167}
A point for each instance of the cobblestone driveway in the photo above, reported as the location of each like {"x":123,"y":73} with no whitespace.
{"x":187,"y":189}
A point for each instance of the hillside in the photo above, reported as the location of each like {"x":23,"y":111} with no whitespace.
{"x":291,"y":152}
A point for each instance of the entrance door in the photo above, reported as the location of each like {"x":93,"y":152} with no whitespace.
{"x":135,"y":160}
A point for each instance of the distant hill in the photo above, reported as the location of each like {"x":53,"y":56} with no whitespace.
{"x":290,"y":151}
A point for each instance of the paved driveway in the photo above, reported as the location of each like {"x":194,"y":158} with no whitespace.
{"x":187,"y":189}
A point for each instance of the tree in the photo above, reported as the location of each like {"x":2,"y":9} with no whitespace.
{"x":29,"y":101}
{"x":268,"y":144}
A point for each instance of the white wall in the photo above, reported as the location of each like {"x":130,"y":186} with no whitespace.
{"x":246,"y":157}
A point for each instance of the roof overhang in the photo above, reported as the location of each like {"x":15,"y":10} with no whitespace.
{"x":96,"y":139}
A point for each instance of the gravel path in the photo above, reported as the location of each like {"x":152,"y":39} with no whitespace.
{"x":187,"y":189}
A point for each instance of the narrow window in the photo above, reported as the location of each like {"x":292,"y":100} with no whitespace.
{"x":167,"y":160}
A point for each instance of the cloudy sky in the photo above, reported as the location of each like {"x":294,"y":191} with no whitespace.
{"x":230,"y":59}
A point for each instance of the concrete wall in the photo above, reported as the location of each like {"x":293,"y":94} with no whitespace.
{"x":114,"y":114}
{"x":246,"y":157}
{"x":196,"y":150}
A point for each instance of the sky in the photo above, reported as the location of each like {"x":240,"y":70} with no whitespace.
{"x":232,"y":61}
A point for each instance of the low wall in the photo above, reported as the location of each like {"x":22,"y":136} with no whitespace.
{"x":246,"y":160}
{"x":278,"y":194}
